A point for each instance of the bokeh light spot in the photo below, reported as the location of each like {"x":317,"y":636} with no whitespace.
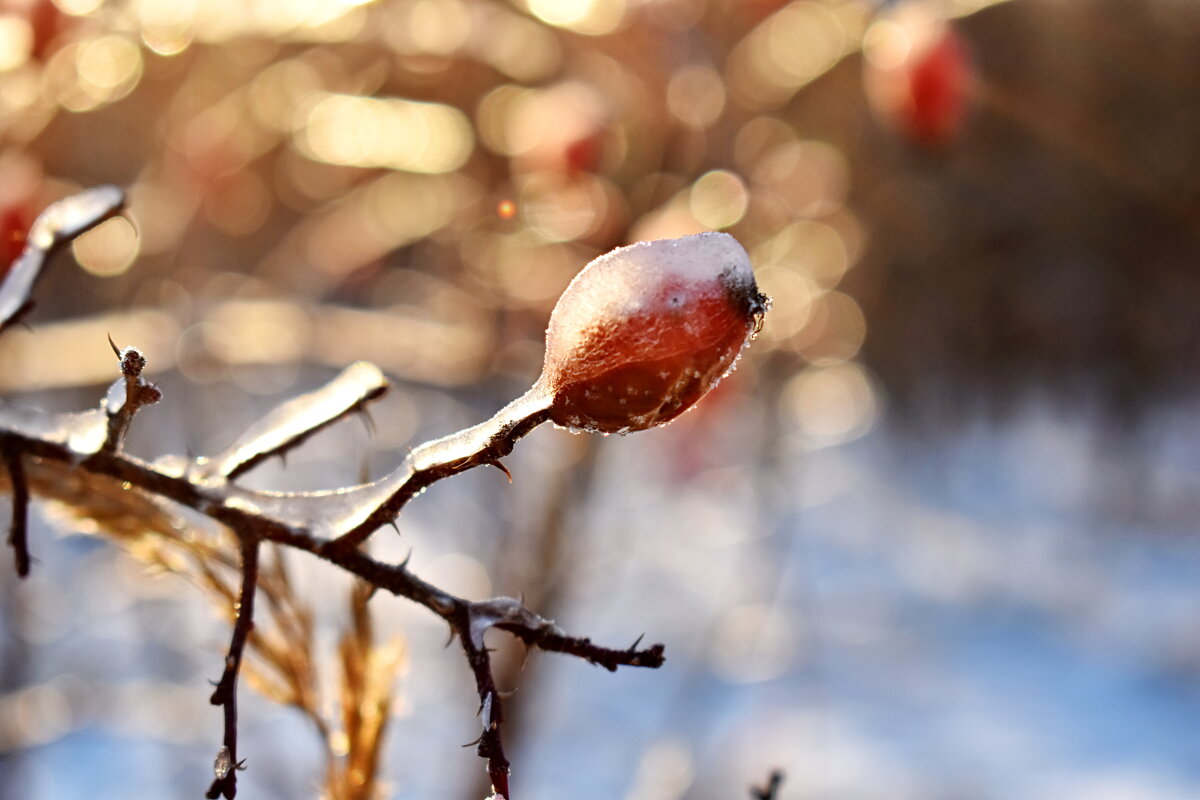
{"x":754,"y":643}
{"x":79,"y":8}
{"x":696,"y":96}
{"x":167,"y":25}
{"x":719,"y":199}
{"x":16,"y":41}
{"x":398,"y":134}
{"x":591,"y":17}
{"x":831,"y":405}
{"x":108,"y":249}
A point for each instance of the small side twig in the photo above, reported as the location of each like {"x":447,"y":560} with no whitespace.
{"x":485,"y":443}
{"x":771,"y":790}
{"x":292,"y":423}
{"x":18,"y":532}
{"x":652,"y":657}
{"x":227,"y":763}
{"x":489,"y":745}
{"x":127,"y":396}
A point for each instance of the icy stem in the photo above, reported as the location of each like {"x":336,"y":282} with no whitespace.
{"x":82,"y":432}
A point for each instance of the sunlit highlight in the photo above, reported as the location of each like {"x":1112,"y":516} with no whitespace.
{"x":592,"y":17}
{"x":168,"y":26}
{"x":279,"y":89}
{"x":831,"y":405}
{"x":719,"y":199}
{"x":107,"y":249}
{"x":561,"y":212}
{"x":396,"y":134}
{"x":792,"y":48}
{"x":519,"y":48}
{"x":696,"y":96}
{"x":16,"y":41}
{"x":88,"y":74}
{"x":438,"y":27}
{"x":79,"y":8}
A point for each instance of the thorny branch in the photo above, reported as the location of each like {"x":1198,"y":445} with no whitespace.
{"x":225,"y":695}
{"x":330,"y":525}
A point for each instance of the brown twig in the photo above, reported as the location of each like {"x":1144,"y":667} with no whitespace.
{"x":225,"y":695}
{"x":771,"y":790}
{"x":292,"y":423}
{"x":127,"y":395}
{"x":485,"y":443}
{"x":18,"y":532}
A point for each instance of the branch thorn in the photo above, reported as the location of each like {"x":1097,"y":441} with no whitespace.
{"x":500,"y":466}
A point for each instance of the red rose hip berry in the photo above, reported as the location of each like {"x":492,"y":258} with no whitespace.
{"x":919,"y":75}
{"x":644,"y":331}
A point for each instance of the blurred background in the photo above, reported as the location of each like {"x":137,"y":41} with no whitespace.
{"x":935,"y":538}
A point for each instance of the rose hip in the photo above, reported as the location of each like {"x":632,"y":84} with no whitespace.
{"x":919,"y":75}
{"x":644,"y":331}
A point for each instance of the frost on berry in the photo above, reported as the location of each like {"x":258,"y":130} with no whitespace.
{"x":644,"y":331}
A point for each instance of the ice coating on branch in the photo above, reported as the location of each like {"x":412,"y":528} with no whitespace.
{"x":325,"y":514}
{"x":82,"y":432}
{"x":57,"y":224}
{"x":291,"y":423}
{"x":504,"y":610}
{"x":644,"y":331}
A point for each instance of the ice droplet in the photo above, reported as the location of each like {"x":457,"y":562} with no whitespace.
{"x":223,"y":763}
{"x":114,"y":398}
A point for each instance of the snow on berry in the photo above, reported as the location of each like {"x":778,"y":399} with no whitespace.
{"x":644,"y":331}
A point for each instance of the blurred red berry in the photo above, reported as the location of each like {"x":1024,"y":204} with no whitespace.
{"x":583,"y":154}
{"x":645,"y":331}
{"x":47,"y":24}
{"x":563,"y":129}
{"x":918,"y":75}
{"x":14,"y":226}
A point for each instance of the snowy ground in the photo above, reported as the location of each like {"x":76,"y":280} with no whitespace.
{"x":1009,"y":612}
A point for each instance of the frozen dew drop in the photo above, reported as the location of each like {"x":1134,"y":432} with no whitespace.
{"x":223,"y":763}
